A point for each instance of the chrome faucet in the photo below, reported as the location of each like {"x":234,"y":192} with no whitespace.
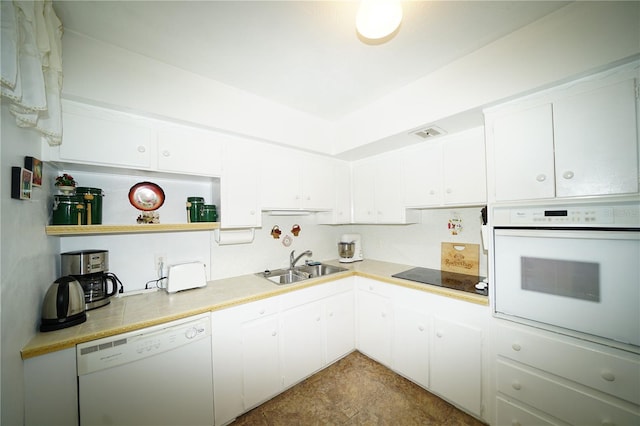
{"x":293,"y":260}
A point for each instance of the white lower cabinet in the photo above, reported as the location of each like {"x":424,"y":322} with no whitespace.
{"x":51,"y":389}
{"x":434,"y":341}
{"x":563,"y":380}
{"x":375,"y":320}
{"x":456,"y":363}
{"x":263,"y":347}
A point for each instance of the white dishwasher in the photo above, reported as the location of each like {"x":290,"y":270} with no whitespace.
{"x":159,"y":375}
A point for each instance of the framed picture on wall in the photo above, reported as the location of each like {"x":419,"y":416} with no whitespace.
{"x":21,"y":183}
{"x":35,"y":165}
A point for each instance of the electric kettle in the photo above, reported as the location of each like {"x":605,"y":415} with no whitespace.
{"x":63,"y":305}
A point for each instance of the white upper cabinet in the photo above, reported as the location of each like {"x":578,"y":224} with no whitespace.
{"x":103,"y":137}
{"x":449,"y":170}
{"x":184,"y":149}
{"x":240,"y":200}
{"x":292,"y":180}
{"x":579,"y":140}
{"x":341,"y":193}
{"x":377,"y":194}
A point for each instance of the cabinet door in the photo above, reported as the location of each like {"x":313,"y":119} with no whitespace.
{"x":464,"y":171}
{"x":260,"y":356}
{"x":317,"y":183}
{"x":301,"y":342}
{"x":227,"y":365}
{"x":374,"y":326}
{"x":422,"y":175}
{"x":389,"y":204}
{"x":364,"y":174}
{"x":456,"y":363}
{"x":97,"y":136}
{"x":523,"y":154}
{"x":187,"y":150}
{"x":280,"y":179}
{"x":411,"y":344}
{"x":596,"y":142}
{"x":341,"y":193}
{"x":239,"y":186}
{"x":51,"y":389}
{"x":340,"y":325}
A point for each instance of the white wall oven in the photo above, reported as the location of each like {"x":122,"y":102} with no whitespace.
{"x":572,"y":268}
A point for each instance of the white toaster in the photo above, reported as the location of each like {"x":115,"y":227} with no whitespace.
{"x":185,"y":276}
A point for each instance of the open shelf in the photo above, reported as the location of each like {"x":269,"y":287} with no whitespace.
{"x":129,"y":229}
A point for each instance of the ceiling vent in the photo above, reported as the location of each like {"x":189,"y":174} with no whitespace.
{"x":428,"y":132}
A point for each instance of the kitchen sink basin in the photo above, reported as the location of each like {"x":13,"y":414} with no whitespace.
{"x":300,"y":273}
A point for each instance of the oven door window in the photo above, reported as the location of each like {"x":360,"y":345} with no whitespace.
{"x":567,"y":278}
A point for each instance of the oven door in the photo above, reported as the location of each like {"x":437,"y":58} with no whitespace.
{"x":581,"y":280}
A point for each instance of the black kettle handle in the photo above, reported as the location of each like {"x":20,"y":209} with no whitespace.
{"x":114,"y":283}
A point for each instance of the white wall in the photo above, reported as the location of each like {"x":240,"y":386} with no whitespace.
{"x":28,"y":263}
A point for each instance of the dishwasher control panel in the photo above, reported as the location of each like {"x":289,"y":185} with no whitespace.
{"x":123,"y":348}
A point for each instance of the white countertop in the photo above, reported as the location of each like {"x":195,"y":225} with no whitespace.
{"x":143,"y":310}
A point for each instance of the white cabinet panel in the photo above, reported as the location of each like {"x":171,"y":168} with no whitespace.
{"x":51,"y":390}
{"x":340,"y":325}
{"x":411,"y":343}
{"x":509,"y":413}
{"x":261,"y":364}
{"x":523,"y":154}
{"x":302,"y":352}
{"x":571,"y":141}
{"x":456,"y":363}
{"x":239,"y":187}
{"x":188,"y":150}
{"x":450,"y":170}
{"x":375,"y":322}
{"x":98,"y":136}
{"x":596,"y":142}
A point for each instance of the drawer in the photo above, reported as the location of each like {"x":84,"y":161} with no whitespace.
{"x":560,"y":400}
{"x":258,"y":309}
{"x":510,"y":414}
{"x":606,"y":369}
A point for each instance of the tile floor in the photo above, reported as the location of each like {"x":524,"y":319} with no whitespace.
{"x":356,"y":391}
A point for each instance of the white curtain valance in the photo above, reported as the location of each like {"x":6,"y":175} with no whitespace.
{"x":31,"y":66}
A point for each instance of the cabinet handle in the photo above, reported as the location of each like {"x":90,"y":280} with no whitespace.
{"x":541,"y":177}
{"x":516,"y":385}
{"x":383,"y":314}
{"x":568,"y":174}
{"x":166,"y":153}
{"x":330,"y":314}
{"x":262,"y":311}
{"x":274,"y":333}
{"x":439,"y":334}
{"x":608,"y":376}
{"x":421,"y":327}
{"x":252,"y":212}
{"x":449,"y":191}
{"x":142,"y":148}
{"x":318,"y":319}
{"x":516,"y":347}
{"x":432,"y":192}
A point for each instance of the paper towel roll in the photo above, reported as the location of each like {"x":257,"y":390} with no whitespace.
{"x":233,"y":236}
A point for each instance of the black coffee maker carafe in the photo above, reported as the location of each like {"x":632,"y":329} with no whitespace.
{"x":91,"y":269}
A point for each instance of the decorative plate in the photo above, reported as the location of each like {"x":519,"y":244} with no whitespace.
{"x":146,"y":196}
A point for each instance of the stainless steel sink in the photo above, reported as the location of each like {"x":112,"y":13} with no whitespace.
{"x":299,"y":273}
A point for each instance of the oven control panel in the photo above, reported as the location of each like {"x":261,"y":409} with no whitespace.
{"x":616,"y":215}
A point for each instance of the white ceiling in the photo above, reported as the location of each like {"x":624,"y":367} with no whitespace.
{"x":303,"y":54}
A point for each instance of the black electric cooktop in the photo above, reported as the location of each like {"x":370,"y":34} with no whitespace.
{"x":444,"y":279}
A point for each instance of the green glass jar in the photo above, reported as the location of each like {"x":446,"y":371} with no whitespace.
{"x":209,"y":213}
{"x":92,"y":204}
{"x":194,"y":208}
{"x":68,"y":210}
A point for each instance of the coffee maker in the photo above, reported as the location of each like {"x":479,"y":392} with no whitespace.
{"x":91,"y":269}
{"x":350,"y":248}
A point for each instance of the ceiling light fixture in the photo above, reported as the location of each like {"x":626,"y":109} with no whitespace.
{"x":378,"y":18}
